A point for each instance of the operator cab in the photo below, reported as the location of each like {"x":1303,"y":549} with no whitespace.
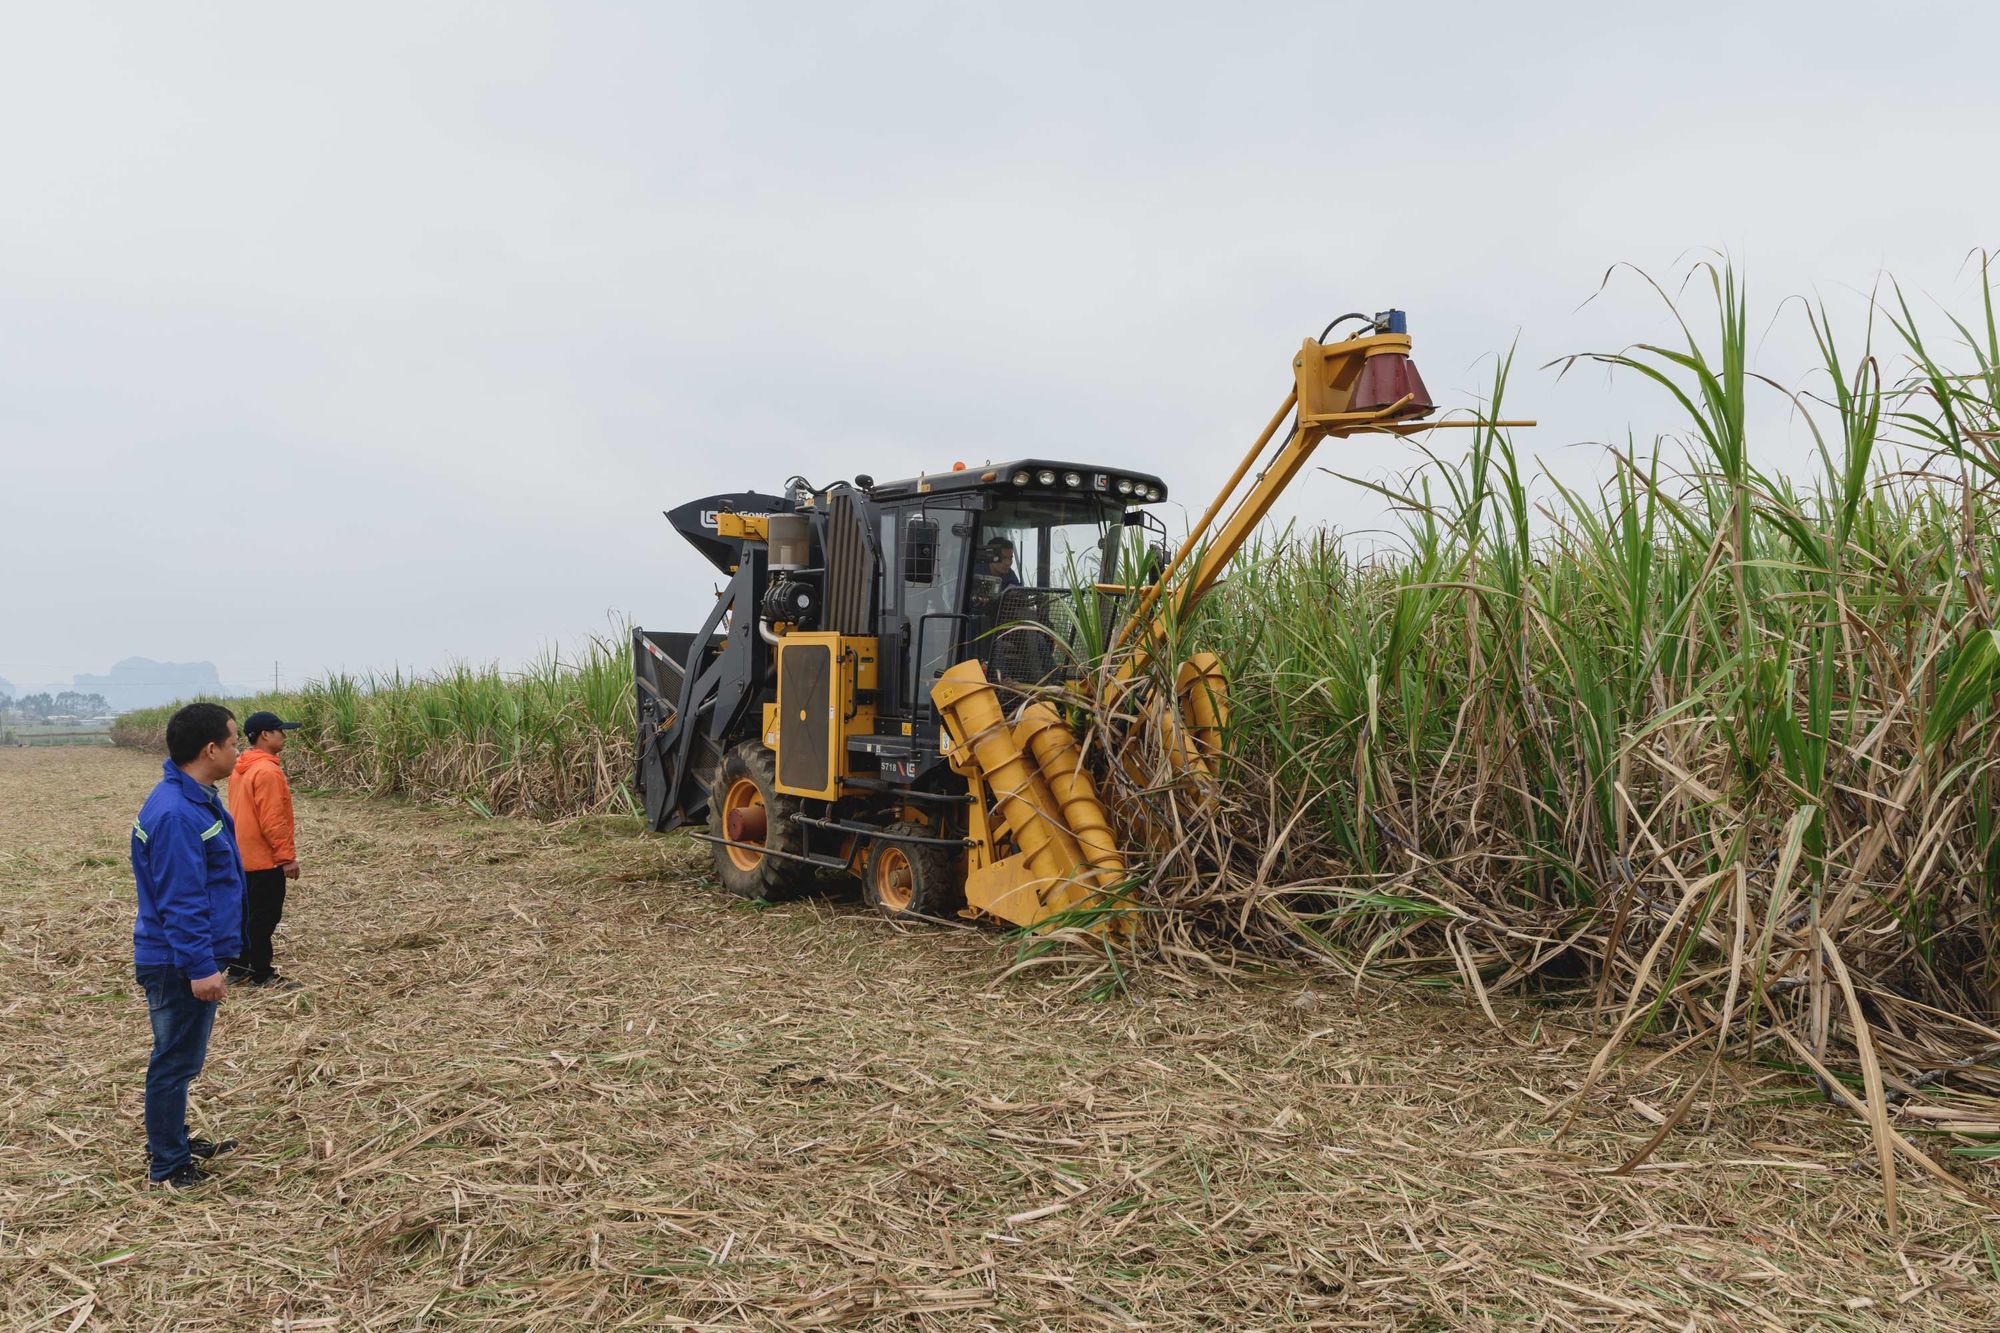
{"x":1010,"y":564}
{"x":1037,"y":563}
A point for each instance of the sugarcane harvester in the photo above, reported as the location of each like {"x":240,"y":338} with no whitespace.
{"x":877,"y":689}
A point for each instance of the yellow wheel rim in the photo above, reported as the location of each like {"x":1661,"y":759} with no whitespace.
{"x":895,"y":881}
{"x":742,"y":795}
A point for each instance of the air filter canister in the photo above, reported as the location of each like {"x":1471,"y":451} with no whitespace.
{"x":790,"y":541}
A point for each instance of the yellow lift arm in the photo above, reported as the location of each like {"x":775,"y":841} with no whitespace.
{"x":1359,"y":385}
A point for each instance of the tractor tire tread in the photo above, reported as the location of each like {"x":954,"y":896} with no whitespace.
{"x":938,"y":888}
{"x":774,"y":879}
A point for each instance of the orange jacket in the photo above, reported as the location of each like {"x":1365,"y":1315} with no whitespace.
{"x":260,"y":800}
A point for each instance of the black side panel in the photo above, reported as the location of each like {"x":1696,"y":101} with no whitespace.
{"x":892,"y":668}
{"x":805,"y":703}
{"x":850,"y":567}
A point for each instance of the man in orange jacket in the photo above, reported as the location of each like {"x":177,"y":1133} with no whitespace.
{"x":261,"y":801}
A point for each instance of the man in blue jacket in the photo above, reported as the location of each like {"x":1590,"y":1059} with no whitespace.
{"x":190,"y":915}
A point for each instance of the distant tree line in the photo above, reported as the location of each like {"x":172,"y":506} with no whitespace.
{"x":66,"y":703}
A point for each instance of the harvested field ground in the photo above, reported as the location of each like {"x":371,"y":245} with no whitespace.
{"x":542,"y":1077}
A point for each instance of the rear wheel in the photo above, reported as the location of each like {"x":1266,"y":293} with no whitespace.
{"x":913,"y":878}
{"x":746,"y":808}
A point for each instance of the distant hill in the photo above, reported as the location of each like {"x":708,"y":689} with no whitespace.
{"x":140,"y":682}
{"x":7,"y":688}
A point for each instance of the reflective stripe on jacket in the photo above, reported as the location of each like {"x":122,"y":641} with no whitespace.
{"x":189,"y":880}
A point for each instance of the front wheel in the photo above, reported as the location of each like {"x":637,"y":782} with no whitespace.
{"x":746,"y":808}
{"x":913,"y":878}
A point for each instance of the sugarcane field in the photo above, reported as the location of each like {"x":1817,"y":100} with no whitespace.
{"x":773,"y":668}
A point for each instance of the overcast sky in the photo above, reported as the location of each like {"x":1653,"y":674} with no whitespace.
{"x":362,"y":335}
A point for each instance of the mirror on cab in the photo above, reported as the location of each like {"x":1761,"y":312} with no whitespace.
{"x":920,"y":547}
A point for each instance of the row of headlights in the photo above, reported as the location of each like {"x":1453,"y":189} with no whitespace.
{"x":1137,"y":490}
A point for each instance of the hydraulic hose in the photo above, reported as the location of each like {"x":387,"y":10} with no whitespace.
{"x":1352,"y":314}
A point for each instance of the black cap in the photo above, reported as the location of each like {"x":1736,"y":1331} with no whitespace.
{"x":262,"y":722}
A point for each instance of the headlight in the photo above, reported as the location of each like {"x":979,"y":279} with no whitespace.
{"x":1152,"y":492}
{"x":1020,"y":479}
{"x":1124,"y":485}
{"x":1046,"y":477}
{"x":1072,"y":479}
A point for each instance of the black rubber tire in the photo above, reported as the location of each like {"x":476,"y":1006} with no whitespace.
{"x":772,"y":878}
{"x":937,"y":876}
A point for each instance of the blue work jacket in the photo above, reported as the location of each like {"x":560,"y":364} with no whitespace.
{"x":189,"y":878}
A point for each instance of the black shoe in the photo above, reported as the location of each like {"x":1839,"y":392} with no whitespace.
{"x":201,"y":1149}
{"x":187,"y":1178}
{"x":274,"y":982}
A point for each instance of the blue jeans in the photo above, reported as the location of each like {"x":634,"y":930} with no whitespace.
{"x":181,"y":1025}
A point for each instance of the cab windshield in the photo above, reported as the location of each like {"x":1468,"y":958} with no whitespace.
{"x":1047,"y":542}
{"x":1034,"y":565}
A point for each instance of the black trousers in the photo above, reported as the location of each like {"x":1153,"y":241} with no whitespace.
{"x":263,"y":906}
